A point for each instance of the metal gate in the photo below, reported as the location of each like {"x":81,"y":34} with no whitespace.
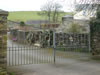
{"x":37,"y":48}
{"x":28,"y":47}
{"x":72,"y":45}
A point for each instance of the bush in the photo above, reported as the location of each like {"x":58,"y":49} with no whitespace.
{"x":22,"y":23}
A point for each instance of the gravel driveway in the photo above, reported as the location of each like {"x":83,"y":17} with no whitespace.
{"x":67,"y":67}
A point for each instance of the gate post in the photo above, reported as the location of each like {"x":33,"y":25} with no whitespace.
{"x":54,"y":46}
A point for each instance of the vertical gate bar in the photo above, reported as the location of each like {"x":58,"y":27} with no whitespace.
{"x":32,"y":54}
{"x":11,"y":52}
{"x":29,"y":56}
{"x":21,"y":55}
{"x":24,"y":46}
{"x":24,"y":55}
{"x":12,"y":55}
{"x":48,"y":55}
{"x":51,"y":55}
{"x":9,"y":55}
{"x":18,"y":49}
{"x":54,"y":46}
{"x":49,"y":46}
{"x":42,"y":54}
{"x":18,"y":56}
{"x":37,"y":55}
{"x":15,"y":56}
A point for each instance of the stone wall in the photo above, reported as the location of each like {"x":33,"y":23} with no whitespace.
{"x":95,"y":43}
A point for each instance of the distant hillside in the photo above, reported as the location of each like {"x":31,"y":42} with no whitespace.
{"x":28,"y":15}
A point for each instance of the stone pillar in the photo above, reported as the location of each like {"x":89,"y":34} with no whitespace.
{"x":3,"y":39}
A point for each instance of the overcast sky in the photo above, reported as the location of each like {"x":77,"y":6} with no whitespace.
{"x":31,"y":5}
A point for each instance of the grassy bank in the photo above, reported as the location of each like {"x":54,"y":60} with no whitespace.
{"x":28,"y":15}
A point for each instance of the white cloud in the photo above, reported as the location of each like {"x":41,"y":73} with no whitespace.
{"x":29,"y":5}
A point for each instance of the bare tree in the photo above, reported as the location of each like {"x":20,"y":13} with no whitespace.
{"x":56,"y":9}
{"x":51,"y":10}
{"x":47,"y":9}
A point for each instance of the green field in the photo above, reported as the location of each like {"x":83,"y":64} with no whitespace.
{"x":28,"y":15}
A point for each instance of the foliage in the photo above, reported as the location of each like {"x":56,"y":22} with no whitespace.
{"x":51,"y":37}
{"x":3,"y":71}
{"x":11,"y":73}
{"x":22,"y":23}
{"x":95,"y":34}
{"x":95,"y":23}
{"x":98,"y":14}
